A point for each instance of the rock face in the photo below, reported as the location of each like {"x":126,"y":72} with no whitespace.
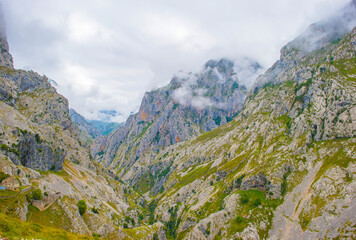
{"x":190,"y":105}
{"x":281,"y":169}
{"x":316,"y":37}
{"x":92,"y":129}
{"x":34,"y":116}
{"x":41,"y":148}
{"x":36,"y":154}
{"x":5,"y":56}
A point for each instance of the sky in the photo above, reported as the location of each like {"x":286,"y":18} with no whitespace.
{"x":105,"y":54}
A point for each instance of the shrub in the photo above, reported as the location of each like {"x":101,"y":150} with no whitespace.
{"x":257,"y":202}
{"x":95,"y":235}
{"x":94,"y":210}
{"x":238,"y":219}
{"x":244,"y":199}
{"x":29,"y":197}
{"x":284,"y":186}
{"x":82,"y":207}
{"x":37,"y":194}
{"x":3,"y":176}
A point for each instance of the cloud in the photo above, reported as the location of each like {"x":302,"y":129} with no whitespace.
{"x":104,"y":54}
{"x":188,"y":94}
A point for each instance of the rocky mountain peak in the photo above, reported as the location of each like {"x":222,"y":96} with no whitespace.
{"x":321,"y":34}
{"x":222,"y":66}
{"x":317,"y":36}
{"x":5,"y":56}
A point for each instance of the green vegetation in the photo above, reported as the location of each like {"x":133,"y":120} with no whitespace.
{"x":13,"y":228}
{"x":37,"y":194}
{"x":54,"y":216}
{"x":14,"y":149}
{"x":8,"y":193}
{"x":82,"y":207}
{"x":306,"y":216}
{"x":235,"y":85}
{"x":144,"y":130}
{"x":3,"y":176}
{"x":145,"y":183}
{"x":172,"y":225}
{"x":339,"y":158}
{"x":239,"y":180}
{"x":284,"y":184}
{"x":95,"y":210}
{"x":193,"y":175}
{"x":217,"y":120}
{"x":286,"y":120}
{"x":254,"y":204}
{"x":151,"y":208}
{"x":239,"y":224}
{"x":217,"y":132}
{"x":306,"y":84}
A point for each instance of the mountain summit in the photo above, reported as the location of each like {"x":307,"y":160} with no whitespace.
{"x":190,"y":105}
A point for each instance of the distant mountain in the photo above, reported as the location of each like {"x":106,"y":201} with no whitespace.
{"x":205,"y":160}
{"x":190,"y":105}
{"x":284,"y":168}
{"x":93,"y":128}
{"x":42,"y":151}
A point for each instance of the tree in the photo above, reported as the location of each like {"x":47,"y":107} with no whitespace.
{"x":3,"y":176}
{"x":82,"y":207}
{"x":155,"y":236}
{"x":37,"y":194}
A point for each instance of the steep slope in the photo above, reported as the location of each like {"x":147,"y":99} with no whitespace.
{"x":190,"y":105}
{"x":284,"y":168}
{"x":317,"y":36}
{"x":41,"y":149}
{"x":92,"y":129}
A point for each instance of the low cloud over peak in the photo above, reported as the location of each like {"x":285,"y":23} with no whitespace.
{"x":105,"y":54}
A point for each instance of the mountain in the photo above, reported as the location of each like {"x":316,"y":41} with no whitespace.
{"x":316,"y":37}
{"x":275,"y":162}
{"x":92,"y":129}
{"x":43,"y":158}
{"x":190,"y":105}
{"x":284,"y":168}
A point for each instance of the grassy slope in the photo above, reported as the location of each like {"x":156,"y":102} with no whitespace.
{"x":13,"y":228}
{"x":251,"y":151}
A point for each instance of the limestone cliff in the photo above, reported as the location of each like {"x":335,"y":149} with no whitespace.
{"x":284,"y":168}
{"x":41,"y":148}
{"x":190,"y":105}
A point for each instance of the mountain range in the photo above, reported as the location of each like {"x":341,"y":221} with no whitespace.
{"x":205,"y":157}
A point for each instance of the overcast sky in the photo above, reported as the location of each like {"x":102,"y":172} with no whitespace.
{"x":105,"y":54}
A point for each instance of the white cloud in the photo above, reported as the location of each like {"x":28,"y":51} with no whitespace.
{"x":105,"y":54}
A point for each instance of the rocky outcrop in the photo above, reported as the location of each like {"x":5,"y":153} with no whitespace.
{"x":5,"y":56}
{"x":47,"y":201}
{"x":35,"y":121}
{"x":316,"y":37}
{"x":287,"y":158}
{"x":37,"y":154}
{"x":258,"y":182}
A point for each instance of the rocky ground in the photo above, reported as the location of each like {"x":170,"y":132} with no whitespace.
{"x":283,"y":168}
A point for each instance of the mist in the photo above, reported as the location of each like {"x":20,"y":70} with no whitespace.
{"x":104,"y":55}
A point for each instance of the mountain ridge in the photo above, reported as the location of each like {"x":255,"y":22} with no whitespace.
{"x":190,"y":105}
{"x":283,"y":168}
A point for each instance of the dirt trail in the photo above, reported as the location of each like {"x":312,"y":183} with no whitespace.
{"x":296,"y":200}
